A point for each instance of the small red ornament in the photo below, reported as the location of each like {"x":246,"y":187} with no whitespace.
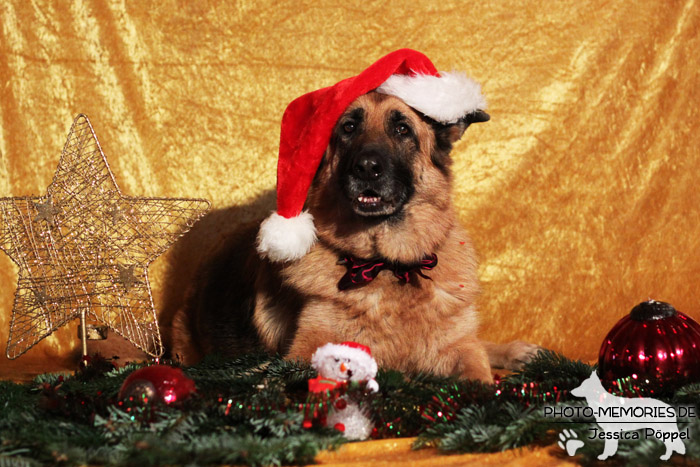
{"x":340,"y":404}
{"x":655,"y":345}
{"x":162,"y":382}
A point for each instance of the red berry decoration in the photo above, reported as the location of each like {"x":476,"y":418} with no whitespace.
{"x":157,"y":382}
{"x":655,"y":346}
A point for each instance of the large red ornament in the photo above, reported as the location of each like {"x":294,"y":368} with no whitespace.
{"x":157,"y":382}
{"x":655,"y":346}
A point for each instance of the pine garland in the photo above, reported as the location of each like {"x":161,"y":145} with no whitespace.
{"x":250,"y":411}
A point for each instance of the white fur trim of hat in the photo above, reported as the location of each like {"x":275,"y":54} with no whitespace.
{"x":445,"y":98}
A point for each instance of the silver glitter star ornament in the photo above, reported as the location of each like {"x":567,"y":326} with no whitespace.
{"x":83,"y":249}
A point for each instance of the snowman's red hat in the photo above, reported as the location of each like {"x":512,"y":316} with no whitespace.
{"x":355,"y":345}
{"x":308,"y":122}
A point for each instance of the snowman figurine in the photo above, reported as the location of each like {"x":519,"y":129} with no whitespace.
{"x":345,"y":363}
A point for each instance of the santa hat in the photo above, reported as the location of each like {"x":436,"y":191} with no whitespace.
{"x":308,"y":122}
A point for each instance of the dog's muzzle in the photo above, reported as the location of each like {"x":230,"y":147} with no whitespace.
{"x":368,"y":167}
{"x":372,"y":185}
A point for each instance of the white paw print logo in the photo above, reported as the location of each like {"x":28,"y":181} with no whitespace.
{"x":568,"y":441}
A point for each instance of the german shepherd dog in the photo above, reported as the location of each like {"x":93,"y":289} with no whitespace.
{"x":381,"y":193}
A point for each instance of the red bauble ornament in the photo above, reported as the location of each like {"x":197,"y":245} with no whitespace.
{"x":655,"y":345}
{"x":157,"y":382}
{"x":340,"y":404}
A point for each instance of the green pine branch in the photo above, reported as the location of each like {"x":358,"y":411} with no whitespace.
{"x":249,"y":410}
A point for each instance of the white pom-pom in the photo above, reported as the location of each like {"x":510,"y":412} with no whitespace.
{"x":445,"y":98}
{"x":373,"y":385}
{"x":282,"y":239}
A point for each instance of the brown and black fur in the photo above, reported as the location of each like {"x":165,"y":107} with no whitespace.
{"x":380,"y":147}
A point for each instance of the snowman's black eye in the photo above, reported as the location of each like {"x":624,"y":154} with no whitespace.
{"x":336,"y":359}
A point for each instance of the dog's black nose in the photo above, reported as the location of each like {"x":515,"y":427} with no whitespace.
{"x":368,"y":166}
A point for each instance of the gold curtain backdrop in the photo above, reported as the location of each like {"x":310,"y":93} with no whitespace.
{"x":581,"y":193}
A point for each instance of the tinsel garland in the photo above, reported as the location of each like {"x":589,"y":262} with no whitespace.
{"x":251,"y":411}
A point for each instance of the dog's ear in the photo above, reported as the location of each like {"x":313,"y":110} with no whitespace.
{"x":456,"y":130}
{"x":478,"y":116}
{"x":448,"y":134}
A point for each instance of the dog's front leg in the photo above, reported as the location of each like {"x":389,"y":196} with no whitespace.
{"x":314,"y":329}
{"x":472,"y":361}
{"x":511,"y":356}
{"x":305,"y":344}
{"x":609,"y":449}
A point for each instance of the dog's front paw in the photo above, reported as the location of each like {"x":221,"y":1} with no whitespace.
{"x":511,"y":356}
{"x":518,"y":353}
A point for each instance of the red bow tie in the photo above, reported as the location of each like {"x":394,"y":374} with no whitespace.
{"x":362,"y":271}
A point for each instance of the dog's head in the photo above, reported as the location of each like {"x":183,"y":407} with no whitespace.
{"x":591,"y":387}
{"x":386,"y":166}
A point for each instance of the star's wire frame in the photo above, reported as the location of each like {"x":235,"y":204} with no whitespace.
{"x":83,"y":249}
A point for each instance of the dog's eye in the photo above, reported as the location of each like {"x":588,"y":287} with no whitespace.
{"x":402,"y":129}
{"x":349,"y":127}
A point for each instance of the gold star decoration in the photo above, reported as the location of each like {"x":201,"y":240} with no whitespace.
{"x":85,"y":248}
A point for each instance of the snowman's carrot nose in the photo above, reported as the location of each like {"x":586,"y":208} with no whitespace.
{"x":343,"y":367}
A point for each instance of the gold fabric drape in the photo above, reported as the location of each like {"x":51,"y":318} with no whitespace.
{"x":580,"y":194}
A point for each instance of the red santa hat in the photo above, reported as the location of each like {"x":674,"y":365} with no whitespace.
{"x":308,"y":122}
